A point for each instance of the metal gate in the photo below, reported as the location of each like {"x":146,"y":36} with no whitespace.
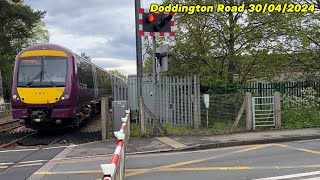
{"x":173,"y":101}
{"x":263,"y":110}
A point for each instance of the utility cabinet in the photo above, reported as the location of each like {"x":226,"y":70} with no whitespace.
{"x":118,"y":111}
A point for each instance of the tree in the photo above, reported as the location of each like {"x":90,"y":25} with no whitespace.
{"x":20,"y":26}
{"x":117,"y":73}
{"x":218,"y":46}
{"x":85,"y":56}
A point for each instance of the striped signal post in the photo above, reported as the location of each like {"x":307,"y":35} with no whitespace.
{"x":155,"y":24}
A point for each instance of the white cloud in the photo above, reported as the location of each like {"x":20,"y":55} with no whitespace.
{"x":103,"y":29}
{"x":125,"y":67}
{"x":76,"y":43}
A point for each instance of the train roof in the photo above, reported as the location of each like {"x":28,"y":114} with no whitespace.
{"x":50,"y":46}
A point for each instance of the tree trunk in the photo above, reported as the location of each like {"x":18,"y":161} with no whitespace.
{"x":231,"y":47}
{"x":1,"y":89}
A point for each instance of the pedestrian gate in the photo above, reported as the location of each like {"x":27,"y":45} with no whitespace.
{"x":263,"y":110}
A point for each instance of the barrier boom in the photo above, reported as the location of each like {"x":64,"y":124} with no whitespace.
{"x":115,"y":170}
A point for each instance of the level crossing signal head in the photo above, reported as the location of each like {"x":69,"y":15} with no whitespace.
{"x":157,"y":22}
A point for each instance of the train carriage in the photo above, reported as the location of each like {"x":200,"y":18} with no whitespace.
{"x":53,"y":87}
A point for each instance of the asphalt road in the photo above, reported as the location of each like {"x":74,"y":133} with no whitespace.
{"x":21,"y":163}
{"x":242,"y":162}
{"x":294,"y":160}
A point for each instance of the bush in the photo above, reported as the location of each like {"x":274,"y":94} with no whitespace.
{"x":301,"y":112}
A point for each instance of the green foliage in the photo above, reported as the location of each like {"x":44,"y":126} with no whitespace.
{"x":83,"y":55}
{"x":301,"y":112}
{"x":20,"y":26}
{"x":309,"y":99}
{"x":301,"y":118}
{"x":117,"y":73}
{"x":233,"y":47}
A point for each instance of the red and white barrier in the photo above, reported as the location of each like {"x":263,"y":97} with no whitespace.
{"x":116,"y":168}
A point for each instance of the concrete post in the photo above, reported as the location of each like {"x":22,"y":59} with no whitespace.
{"x":142,"y":119}
{"x":277,"y":107}
{"x":103,"y":119}
{"x":249,"y":111}
{"x":195,"y":112}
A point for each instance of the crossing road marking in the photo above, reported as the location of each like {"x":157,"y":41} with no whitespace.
{"x":292,"y":176}
{"x":175,"y":166}
{"x":27,"y":165}
{"x":171,"y":142}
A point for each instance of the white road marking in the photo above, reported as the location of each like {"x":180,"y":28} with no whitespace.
{"x":315,"y":178}
{"x":291,"y":176}
{"x":35,"y":161}
{"x":56,"y":147}
{"x":9,"y":163}
{"x":19,"y":150}
{"x":51,"y":164}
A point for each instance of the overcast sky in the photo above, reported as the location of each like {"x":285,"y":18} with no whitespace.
{"x":103,"y":29}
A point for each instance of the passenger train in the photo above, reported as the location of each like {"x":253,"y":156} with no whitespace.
{"x":53,"y":87}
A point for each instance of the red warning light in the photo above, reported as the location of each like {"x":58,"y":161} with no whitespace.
{"x":152,"y":17}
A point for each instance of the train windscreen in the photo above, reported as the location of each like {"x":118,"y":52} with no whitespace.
{"x":44,"y":71}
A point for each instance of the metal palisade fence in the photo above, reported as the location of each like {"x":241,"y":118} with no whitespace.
{"x":119,"y":89}
{"x":173,"y":102}
{"x":289,"y":88}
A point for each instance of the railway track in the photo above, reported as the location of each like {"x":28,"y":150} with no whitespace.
{"x":32,"y":139}
{"x":37,"y":139}
{"x":9,"y":125}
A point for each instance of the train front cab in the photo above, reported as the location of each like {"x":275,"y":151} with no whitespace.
{"x":41,"y":89}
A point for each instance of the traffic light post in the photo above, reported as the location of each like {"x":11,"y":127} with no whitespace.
{"x":156,"y":24}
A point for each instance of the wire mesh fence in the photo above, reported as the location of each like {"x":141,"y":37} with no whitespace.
{"x":222,"y":111}
{"x":5,"y":109}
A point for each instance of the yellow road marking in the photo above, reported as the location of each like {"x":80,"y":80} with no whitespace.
{"x":205,"y":159}
{"x":299,"y":149}
{"x":206,"y":168}
{"x":27,"y":165}
{"x":3,"y":167}
{"x":89,"y":159}
{"x":71,"y":172}
{"x":181,"y":164}
{"x":306,"y":150}
{"x":254,"y":148}
{"x":174,"y":167}
{"x":134,"y":173}
{"x":171,"y":142}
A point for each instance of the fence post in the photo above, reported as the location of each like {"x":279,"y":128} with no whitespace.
{"x":142,"y":119}
{"x":103,"y":119}
{"x":277,"y":107}
{"x":1,"y":89}
{"x":249,"y":111}
{"x":195,"y":112}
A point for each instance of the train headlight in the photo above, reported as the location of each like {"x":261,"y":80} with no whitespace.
{"x":66,"y":96}
{"x":15,"y":97}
